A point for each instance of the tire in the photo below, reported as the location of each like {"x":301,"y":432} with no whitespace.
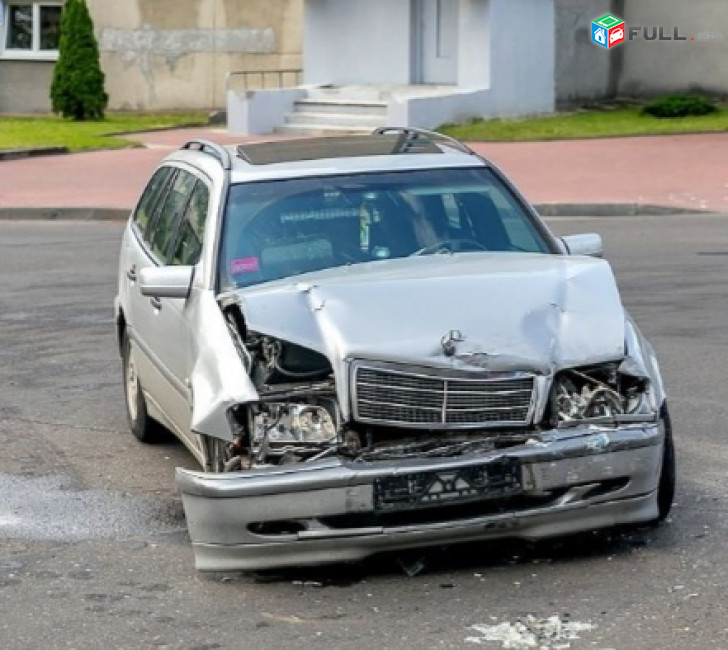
{"x":142,"y":426}
{"x":666,"y":486}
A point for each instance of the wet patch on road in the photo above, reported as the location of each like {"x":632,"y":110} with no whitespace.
{"x":49,"y":508}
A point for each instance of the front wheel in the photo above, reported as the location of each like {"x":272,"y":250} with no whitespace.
{"x":666,"y":486}
{"x":142,"y":426}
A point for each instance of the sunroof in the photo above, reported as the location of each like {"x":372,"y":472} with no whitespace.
{"x":266,"y":153}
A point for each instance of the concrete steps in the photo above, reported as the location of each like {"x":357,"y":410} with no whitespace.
{"x":322,"y":115}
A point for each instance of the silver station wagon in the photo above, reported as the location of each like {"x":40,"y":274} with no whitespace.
{"x":374,"y":343}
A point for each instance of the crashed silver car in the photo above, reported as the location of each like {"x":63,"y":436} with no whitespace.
{"x":374,"y":343}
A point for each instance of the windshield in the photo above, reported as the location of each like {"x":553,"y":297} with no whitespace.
{"x":282,"y":228}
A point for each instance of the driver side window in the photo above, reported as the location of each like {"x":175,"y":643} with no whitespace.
{"x":188,"y":244}
{"x":164,"y":228}
{"x":152,"y":199}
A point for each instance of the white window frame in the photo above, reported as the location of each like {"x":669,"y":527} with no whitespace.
{"x":34,"y":53}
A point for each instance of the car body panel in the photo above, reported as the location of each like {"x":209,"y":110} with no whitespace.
{"x":219,"y":379}
{"x":222,"y":508}
{"x":524,"y":311}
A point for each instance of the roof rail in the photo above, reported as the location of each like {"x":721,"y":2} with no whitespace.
{"x":212,"y":148}
{"x":410,"y":135}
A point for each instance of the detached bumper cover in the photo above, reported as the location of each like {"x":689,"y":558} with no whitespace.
{"x":334,"y":511}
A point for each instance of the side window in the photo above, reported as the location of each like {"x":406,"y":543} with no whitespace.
{"x":165,"y":224}
{"x":188,"y":244}
{"x":150,"y":198}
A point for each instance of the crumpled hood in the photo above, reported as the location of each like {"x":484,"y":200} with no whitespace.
{"x":511,"y":310}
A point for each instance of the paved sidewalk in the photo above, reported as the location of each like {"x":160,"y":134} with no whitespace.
{"x":682,"y":172}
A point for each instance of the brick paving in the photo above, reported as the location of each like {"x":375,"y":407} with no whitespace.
{"x":688,"y":171}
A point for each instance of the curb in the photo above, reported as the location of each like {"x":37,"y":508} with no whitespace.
{"x":611,"y":210}
{"x":158,"y":129}
{"x":31,"y":152}
{"x":63,"y":214}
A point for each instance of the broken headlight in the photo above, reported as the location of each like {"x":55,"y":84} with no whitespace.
{"x":598,"y":393}
{"x":291,"y":429}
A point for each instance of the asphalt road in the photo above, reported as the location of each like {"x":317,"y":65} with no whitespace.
{"x":93,"y":546}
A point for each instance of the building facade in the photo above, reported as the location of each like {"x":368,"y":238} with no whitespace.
{"x":177,"y":54}
{"x":411,"y":63}
{"x":156,"y":54}
{"x":651,"y":61}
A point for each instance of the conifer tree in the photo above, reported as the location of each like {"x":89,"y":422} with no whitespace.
{"x":77,"y":89}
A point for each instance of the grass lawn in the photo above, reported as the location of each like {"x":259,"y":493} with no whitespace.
{"x":51,"y":131}
{"x":584,"y":124}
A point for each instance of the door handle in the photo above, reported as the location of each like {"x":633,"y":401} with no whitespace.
{"x":132,"y":273}
{"x":156,"y":302}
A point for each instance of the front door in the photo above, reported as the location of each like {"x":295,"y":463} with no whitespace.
{"x":436,"y":41}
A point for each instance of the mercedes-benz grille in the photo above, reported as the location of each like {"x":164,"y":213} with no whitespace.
{"x":416,"y":399}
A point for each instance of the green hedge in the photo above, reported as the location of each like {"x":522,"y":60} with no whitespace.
{"x":680,"y":106}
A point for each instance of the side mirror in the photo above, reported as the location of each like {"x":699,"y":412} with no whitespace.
{"x":586,"y":244}
{"x":166,"y":281}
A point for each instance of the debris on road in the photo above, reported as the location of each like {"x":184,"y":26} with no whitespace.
{"x":552,"y":633}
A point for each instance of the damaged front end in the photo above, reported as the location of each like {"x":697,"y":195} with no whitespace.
{"x":335,"y":460}
{"x":295,"y":417}
{"x":375,"y":410}
{"x":603,"y":394}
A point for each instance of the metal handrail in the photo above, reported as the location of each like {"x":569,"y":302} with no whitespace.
{"x":263,"y":75}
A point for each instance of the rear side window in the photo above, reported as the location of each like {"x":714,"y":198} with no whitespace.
{"x":188,"y":245}
{"x":150,"y":200}
{"x":165,"y":224}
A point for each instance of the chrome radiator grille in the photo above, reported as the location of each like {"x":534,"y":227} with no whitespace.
{"x":408,"y":399}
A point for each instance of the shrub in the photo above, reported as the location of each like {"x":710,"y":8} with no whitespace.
{"x":77,"y":90}
{"x":680,"y":106}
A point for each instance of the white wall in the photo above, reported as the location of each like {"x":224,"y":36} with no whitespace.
{"x":505,"y":60}
{"x":582,"y":69}
{"x":522,"y":56}
{"x":433,"y":111}
{"x":474,"y":52}
{"x":506,"y":54}
{"x":259,"y":111}
{"x":356,"y":42}
{"x":652,"y":67}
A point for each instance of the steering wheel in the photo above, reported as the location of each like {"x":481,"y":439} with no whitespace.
{"x":451,"y":246}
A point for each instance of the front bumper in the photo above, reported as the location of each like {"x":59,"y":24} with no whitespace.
{"x":326,"y":511}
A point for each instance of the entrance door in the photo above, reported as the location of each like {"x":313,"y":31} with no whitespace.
{"x":436,"y":41}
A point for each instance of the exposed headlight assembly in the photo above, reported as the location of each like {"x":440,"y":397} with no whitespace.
{"x":599,"y":393}
{"x":289,"y":428}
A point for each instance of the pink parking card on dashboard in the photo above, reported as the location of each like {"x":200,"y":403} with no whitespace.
{"x":244,"y":265}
